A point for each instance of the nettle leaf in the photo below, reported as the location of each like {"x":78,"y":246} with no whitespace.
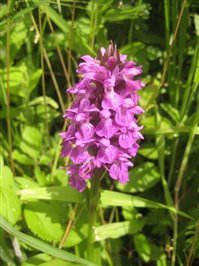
{"x":44,"y":219}
{"x":142,"y":178}
{"x":31,"y":141}
{"x":10,"y":207}
{"x":73,"y":238}
{"x":142,"y":246}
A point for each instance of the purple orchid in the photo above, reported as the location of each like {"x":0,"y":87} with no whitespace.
{"x":103,"y":131}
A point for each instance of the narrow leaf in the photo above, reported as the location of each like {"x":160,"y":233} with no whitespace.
{"x":42,"y":246}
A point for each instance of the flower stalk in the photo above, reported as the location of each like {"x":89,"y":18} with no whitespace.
{"x":92,"y":215}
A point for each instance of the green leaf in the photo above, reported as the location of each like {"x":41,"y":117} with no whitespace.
{"x":37,"y":260}
{"x":120,"y":14}
{"x":10,"y":207}
{"x":61,"y":193}
{"x":42,"y":246}
{"x":44,"y":219}
{"x":59,"y":262}
{"x":34,"y":79}
{"x":5,"y":252}
{"x":171,"y":111}
{"x":40,"y":100}
{"x":17,"y":37}
{"x":116,"y":230}
{"x":31,"y":141}
{"x":18,"y":78}
{"x":196,"y":21}
{"x":111,"y":198}
{"x":26,"y":182}
{"x":73,"y":239}
{"x":56,"y":18}
{"x":6,"y":177}
{"x":148,"y":151}
{"x":142,"y":246}
{"x":142,"y":178}
{"x":22,"y":158}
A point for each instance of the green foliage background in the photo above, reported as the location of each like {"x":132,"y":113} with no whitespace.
{"x":154,"y":219}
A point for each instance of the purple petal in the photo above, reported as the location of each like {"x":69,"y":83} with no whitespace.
{"x":105,"y":128}
{"x":77,"y":183}
{"x":112,"y":100}
{"x":133,"y":150}
{"x":126,"y":140}
{"x":107,"y":155}
{"x":86,"y":132}
{"x":79,"y":155}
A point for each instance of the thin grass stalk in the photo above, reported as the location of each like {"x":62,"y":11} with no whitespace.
{"x":8,"y":119}
{"x":193,"y":245}
{"x":93,"y":23}
{"x":69,"y":226}
{"x":71,"y":37}
{"x":172,"y":44}
{"x":60,"y":54}
{"x":43,"y":77}
{"x":160,"y":144}
{"x":167,"y":23}
{"x":181,"y":47}
{"x":179,"y":182}
{"x":187,"y":94}
{"x":166,"y":65}
{"x":48,"y":64}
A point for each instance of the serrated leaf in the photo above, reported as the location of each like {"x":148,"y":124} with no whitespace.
{"x":44,"y":219}
{"x":10,"y":207}
{"x":42,"y":246}
{"x":142,"y":247}
{"x":142,"y":178}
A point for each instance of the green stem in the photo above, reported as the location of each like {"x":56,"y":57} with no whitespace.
{"x":92,"y":208}
{"x":179,"y":182}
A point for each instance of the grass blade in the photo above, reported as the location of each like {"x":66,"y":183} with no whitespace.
{"x":41,"y":245}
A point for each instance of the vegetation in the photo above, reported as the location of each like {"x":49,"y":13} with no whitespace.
{"x":154,"y":219}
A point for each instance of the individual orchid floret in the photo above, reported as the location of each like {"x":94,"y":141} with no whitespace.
{"x":103,"y":131}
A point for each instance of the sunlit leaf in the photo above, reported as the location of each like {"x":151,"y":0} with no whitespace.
{"x":142,"y":178}
{"x":43,"y":246}
{"x":142,"y":246}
